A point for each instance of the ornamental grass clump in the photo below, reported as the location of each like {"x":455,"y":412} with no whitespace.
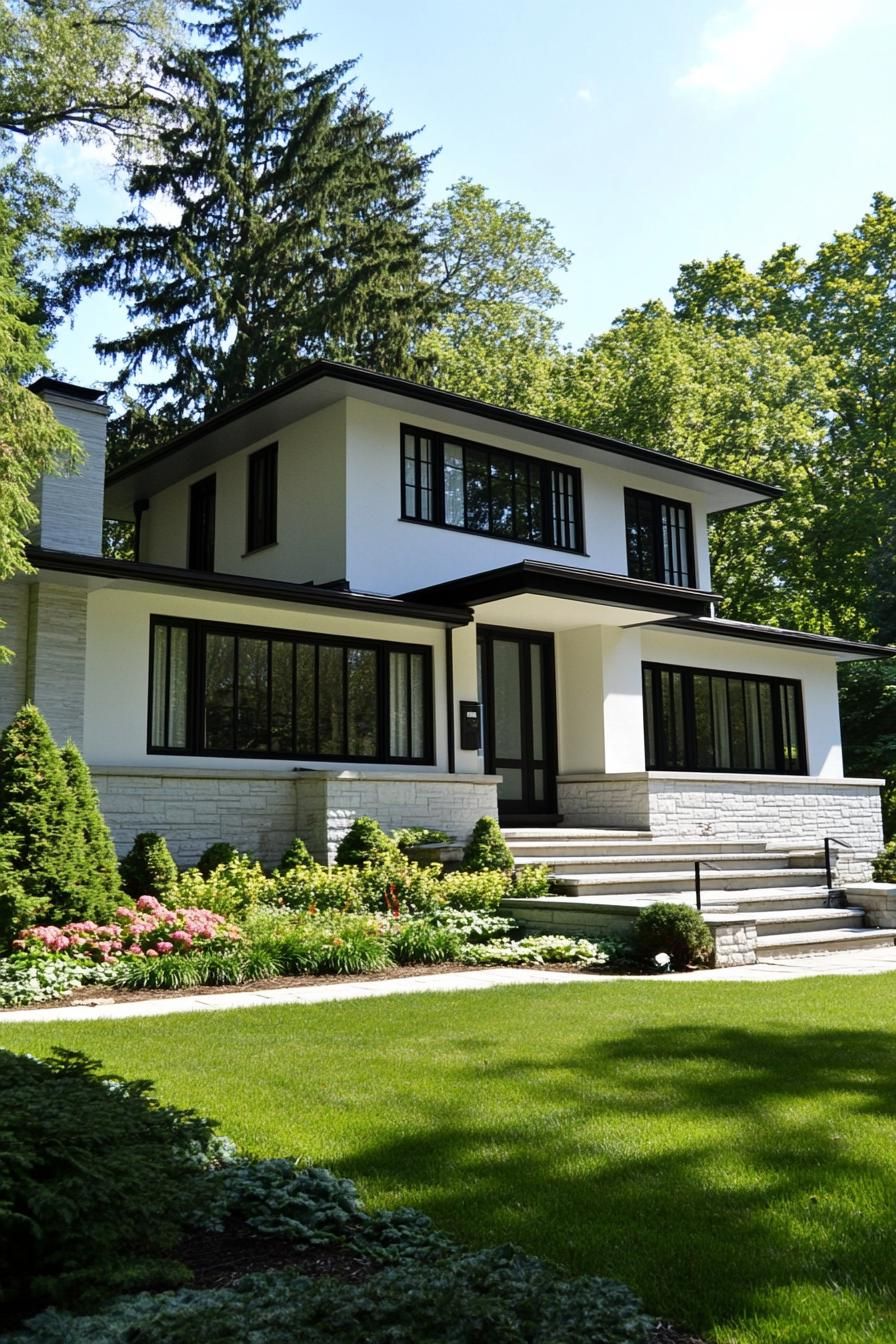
{"x":679,"y":931}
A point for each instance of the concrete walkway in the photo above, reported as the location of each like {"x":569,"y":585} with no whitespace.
{"x":792,"y":968}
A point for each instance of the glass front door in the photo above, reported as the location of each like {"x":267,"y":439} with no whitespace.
{"x":516,"y":678}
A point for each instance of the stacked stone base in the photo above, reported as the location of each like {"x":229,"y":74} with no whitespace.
{"x":261,"y":811}
{"x":734,"y":807}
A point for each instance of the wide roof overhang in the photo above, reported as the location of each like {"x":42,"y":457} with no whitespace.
{"x":94,"y":571}
{"x":324,"y":383}
{"x":534,"y":595}
{"x":843,"y":650}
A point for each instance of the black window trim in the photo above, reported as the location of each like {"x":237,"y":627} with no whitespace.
{"x":690,"y":735}
{"x":203,"y":489}
{"x":437,"y":440}
{"x":656,"y":502}
{"x":265,"y":462}
{"x":196,"y":629}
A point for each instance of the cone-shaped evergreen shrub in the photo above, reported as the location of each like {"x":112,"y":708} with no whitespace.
{"x":487,"y":848}
{"x":367,"y":842}
{"x":100,"y":887}
{"x":37,"y":810}
{"x":297,"y":856}
{"x":213,"y":857}
{"x":148,"y":868}
{"x":18,"y":910}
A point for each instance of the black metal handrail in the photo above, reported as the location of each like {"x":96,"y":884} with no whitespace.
{"x":698,"y":864}
{"x":828,"y":867}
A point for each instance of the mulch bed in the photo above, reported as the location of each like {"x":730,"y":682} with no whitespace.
{"x":219,"y":1259}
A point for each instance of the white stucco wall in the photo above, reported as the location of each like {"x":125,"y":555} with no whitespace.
{"x":389,"y":555}
{"x":310,"y":543}
{"x":117,"y":681}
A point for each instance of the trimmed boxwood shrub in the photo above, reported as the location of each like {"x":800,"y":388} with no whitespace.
{"x":367,"y":842}
{"x":487,"y":849}
{"x":297,"y":856}
{"x":213,"y":857}
{"x":148,"y":868}
{"x":679,"y":930}
{"x":98,"y":1182}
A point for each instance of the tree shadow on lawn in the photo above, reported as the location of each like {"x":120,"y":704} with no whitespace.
{"x":724,"y":1173}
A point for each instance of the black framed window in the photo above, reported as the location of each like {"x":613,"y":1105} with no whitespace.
{"x":696,"y":719}
{"x":659,"y":536}
{"x":201,"y":534}
{"x":231,"y":690}
{"x":451,"y":482}
{"x":261,"y":511}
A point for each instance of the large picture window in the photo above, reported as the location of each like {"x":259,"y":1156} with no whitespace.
{"x":717,"y":721}
{"x":229,"y":690}
{"x":449,"y":482}
{"x":659,"y":539}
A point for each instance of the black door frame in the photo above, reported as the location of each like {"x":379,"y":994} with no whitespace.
{"x":528,"y":805}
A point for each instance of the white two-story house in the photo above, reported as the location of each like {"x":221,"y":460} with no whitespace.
{"x":357,"y":595}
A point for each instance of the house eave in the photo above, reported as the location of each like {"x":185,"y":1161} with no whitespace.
{"x":844,"y":650}
{"x":209,"y":440}
{"x":538,"y":578}
{"x":237,"y":585}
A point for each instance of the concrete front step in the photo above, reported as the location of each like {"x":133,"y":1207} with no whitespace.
{"x":564,"y":865}
{"x":557,"y":843}
{"x":775,"y":945}
{"x":512,"y":834}
{"x":666,"y":882}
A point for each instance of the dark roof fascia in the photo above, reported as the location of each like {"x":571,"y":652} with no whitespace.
{"x":302,"y":594}
{"x":451,"y":400}
{"x":770,"y":634}
{"x":579,"y":585}
{"x":62,"y":389}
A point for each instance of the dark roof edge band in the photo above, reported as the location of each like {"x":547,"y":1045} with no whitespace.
{"x":402,"y":387}
{"x":770,"y":634}
{"x":303,"y":594}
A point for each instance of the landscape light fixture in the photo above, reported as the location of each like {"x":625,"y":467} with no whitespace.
{"x":662,"y":961}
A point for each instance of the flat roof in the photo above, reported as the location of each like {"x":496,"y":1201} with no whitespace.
{"x":324,"y":381}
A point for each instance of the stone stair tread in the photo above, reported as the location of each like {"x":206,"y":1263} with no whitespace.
{"x":825,"y":936}
{"x":634,"y":859}
{"x":808,"y":916}
{"x":581,"y":879}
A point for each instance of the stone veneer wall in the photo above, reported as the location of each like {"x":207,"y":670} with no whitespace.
{"x":262,"y":810}
{"x":734,"y":807}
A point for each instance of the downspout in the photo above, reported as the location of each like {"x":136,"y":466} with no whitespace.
{"x":449,"y":692}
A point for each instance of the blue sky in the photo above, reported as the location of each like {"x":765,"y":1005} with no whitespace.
{"x":649,"y":133}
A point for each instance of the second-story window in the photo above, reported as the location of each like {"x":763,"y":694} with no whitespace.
{"x":201,"y":535}
{"x":475,"y":488}
{"x":261,"y":513}
{"x":660,"y":539}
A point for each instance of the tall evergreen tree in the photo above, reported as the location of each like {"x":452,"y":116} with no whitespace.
{"x":101,"y":883}
{"x":291,"y":226}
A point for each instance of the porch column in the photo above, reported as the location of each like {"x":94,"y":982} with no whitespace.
{"x":623,"y":713}
{"x":466,"y":687}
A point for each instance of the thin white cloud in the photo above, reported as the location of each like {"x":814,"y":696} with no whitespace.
{"x":584,"y":95}
{"x":744,"y":49}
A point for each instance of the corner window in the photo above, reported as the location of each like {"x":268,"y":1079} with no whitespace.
{"x":659,"y":538}
{"x":472,"y":487}
{"x":722,"y":721}
{"x":261,"y":513}
{"x":230,"y":690}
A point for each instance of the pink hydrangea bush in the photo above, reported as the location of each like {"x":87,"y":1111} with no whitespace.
{"x":150,"y":929}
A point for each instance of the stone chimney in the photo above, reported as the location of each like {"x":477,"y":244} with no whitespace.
{"x":71,"y":507}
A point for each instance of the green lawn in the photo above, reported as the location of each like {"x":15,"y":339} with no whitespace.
{"x":727,"y":1150}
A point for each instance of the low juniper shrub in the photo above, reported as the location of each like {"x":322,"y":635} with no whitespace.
{"x":678,"y":930}
{"x":487,"y":849}
{"x":98,"y":1183}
